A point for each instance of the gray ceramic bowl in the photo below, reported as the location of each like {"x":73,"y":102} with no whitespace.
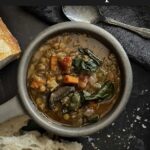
{"x":109,"y":41}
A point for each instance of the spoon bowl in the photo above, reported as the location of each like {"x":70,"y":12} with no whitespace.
{"x":88,"y":14}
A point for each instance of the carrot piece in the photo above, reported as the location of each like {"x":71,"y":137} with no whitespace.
{"x":37,"y":82}
{"x":66,"y":62}
{"x":34,"y":85}
{"x":71,"y":79}
{"x":53,"y":63}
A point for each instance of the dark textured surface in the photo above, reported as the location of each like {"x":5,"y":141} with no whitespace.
{"x":130,"y":131}
{"x":24,"y":27}
{"x":50,"y":14}
{"x":136,"y":46}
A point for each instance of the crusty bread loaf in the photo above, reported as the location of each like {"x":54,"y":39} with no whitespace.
{"x":10,"y":139}
{"x":13,"y":125}
{"x":9,"y":47}
{"x":35,"y":141}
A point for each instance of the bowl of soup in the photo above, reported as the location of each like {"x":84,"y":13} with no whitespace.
{"x":74,"y":79}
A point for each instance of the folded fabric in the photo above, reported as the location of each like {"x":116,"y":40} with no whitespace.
{"x":136,"y":47}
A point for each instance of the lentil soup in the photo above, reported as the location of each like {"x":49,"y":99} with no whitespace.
{"x":74,"y":79}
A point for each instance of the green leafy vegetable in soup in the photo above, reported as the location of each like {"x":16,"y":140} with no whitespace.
{"x":89,"y":64}
{"x":104,"y":93}
{"x":81,"y":65}
{"x":89,"y":53}
{"x":74,"y":79}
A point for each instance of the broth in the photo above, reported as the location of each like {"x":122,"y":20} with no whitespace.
{"x":74,"y":79}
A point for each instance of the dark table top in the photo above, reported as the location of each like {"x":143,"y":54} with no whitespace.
{"x":130,"y":131}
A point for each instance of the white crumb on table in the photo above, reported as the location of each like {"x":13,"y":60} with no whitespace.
{"x":144,"y":126}
{"x":123,"y":130}
{"x":113,"y":124}
{"x":146,"y":120}
{"x":131,"y":125}
{"x":118,"y":137}
{"x":138,"y":117}
{"x":108,"y":135}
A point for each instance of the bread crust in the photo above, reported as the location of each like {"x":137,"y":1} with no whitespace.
{"x":12,"y":126}
{"x":12,"y":139}
{"x":8,"y":44}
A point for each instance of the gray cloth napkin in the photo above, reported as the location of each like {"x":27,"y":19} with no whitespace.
{"x":136,"y":47}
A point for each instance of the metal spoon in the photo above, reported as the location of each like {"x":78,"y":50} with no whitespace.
{"x":91,"y":14}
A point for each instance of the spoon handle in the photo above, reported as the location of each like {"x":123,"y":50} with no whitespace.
{"x":144,"y":32}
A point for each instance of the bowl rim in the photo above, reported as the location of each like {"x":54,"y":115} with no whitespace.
{"x":36,"y":115}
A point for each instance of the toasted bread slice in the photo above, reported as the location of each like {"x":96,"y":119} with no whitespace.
{"x":9,"y":47}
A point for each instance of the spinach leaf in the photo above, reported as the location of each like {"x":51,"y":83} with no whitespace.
{"x":77,"y":64}
{"x":89,"y":66}
{"x":105,"y":92}
{"x":84,"y":66}
{"x":86,"y":51}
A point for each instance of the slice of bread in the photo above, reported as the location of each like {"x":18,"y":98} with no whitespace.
{"x":9,"y":47}
{"x":12,"y":126}
{"x":35,"y":141}
{"x":11,"y":139}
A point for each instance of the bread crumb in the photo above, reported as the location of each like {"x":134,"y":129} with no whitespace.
{"x":144,"y":126}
